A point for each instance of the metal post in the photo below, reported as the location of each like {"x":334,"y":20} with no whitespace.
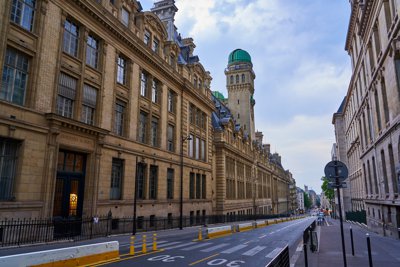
{"x":340,"y":214}
{"x":369,"y":251}
{"x":305,"y":255}
{"x":134,"y":200}
{"x":352,"y":242}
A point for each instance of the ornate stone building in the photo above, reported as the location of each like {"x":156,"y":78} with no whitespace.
{"x":371,"y":113}
{"x":248,"y":178}
{"x":96,"y":94}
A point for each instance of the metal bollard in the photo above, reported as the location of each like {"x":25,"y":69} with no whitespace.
{"x":369,"y":251}
{"x":154,"y":242}
{"x":200,"y":234}
{"x":132,"y":248}
{"x":144,"y":245}
{"x":352,"y":242}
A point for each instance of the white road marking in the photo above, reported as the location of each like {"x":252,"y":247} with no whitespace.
{"x":196,"y":246}
{"x":215,"y":247}
{"x":233,"y":249}
{"x":273,"y":253}
{"x":179,"y":246}
{"x":253,"y":251}
{"x":262,"y":236}
{"x":168,"y":244}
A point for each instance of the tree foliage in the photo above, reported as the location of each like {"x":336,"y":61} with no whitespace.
{"x":329,"y":193}
{"x":307,"y":201}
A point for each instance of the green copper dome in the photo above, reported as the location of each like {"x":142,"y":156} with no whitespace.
{"x":239,"y":55}
{"x":218,"y":95}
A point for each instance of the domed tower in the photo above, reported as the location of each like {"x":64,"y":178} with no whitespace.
{"x":240,"y":85}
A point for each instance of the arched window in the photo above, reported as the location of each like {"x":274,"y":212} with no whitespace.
{"x":243,"y":78}
{"x":231,"y":79}
{"x":237,"y":78}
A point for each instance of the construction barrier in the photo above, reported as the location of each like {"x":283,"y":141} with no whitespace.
{"x":72,"y":256}
{"x":245,"y":227}
{"x":219,"y":231}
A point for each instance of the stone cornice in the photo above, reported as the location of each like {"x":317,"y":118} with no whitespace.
{"x":365,"y":16}
{"x":352,"y":25}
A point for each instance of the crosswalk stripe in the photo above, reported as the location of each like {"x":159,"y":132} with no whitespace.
{"x":215,"y":247}
{"x":233,"y":249}
{"x":168,"y":244}
{"x":140,"y":244}
{"x":178,"y":246}
{"x":197,"y":246}
{"x":273,"y":253}
{"x":253,"y":251}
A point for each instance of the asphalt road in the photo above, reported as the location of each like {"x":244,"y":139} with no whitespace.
{"x":251,"y":248}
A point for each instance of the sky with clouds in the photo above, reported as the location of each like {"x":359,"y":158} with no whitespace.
{"x":302,"y":71}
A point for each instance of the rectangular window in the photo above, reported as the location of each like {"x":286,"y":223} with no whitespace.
{"x":155,"y":45}
{"x":191,"y":185}
{"x":121,"y":70}
{"x":146,"y":37}
{"x":203,"y":186}
{"x":125,"y":16}
{"x":8,"y":164}
{"x":66,"y":95}
{"x":384,"y":172}
{"x":71,"y":38}
{"x":141,"y":181}
{"x":15,"y":77}
{"x":198,"y":185}
{"x":143,"y":84}
{"x":119,"y":117}
{"x":192,"y":110}
{"x":153,"y":182}
{"x":154,"y":91}
{"x":22,"y":13}
{"x":142,"y":126}
{"x":171,"y":101}
{"x":92,"y":52}
{"x":117,"y":171}
{"x":170,"y":183}
{"x":197,"y":148}
{"x":191,"y":148}
{"x":203,"y":150}
{"x":171,"y":138}
{"x":89,"y":104}
{"x":154,"y":131}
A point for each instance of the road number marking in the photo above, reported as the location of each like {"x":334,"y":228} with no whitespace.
{"x":217,"y":262}
{"x":165,"y":258}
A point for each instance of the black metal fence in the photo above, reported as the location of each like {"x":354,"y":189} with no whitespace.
{"x":357,"y":216}
{"x":28,"y":231}
{"x":281,"y":260}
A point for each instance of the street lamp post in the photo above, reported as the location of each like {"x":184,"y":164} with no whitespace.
{"x":183,"y":139}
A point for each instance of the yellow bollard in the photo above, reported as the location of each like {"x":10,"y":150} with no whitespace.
{"x":200,"y":234}
{"x":154,"y":242}
{"x":144,"y":245}
{"x":132,"y":248}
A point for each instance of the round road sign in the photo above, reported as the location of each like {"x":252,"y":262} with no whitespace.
{"x":336,"y":169}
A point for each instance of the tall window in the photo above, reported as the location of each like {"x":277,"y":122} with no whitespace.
{"x":155,"y":45}
{"x":385,"y":100}
{"x":377,"y":110}
{"x":66,"y":95}
{"x":92,"y":52}
{"x":8,"y":163}
{"x":125,"y":16}
{"x":119,"y":117}
{"x":375,"y":176}
{"x":171,"y":138}
{"x":198,"y":185}
{"x":117,"y":171}
{"x":170,"y":183}
{"x":393,"y":170}
{"x":203,"y":186}
{"x":243,"y":78}
{"x":154,"y":91}
{"x":22,"y":13}
{"x":142,"y":126}
{"x":154,"y":131}
{"x":89,"y":104}
{"x":146,"y":38}
{"x":191,"y":148}
{"x":143,"y":84}
{"x":15,"y":77}
{"x":231,"y":79}
{"x":71,"y":38}
{"x":192,"y":185}
{"x":237,"y":78}
{"x":121,"y":70}
{"x":141,"y":181}
{"x":384,"y":172}
{"x":153,"y":182}
{"x":203,"y":149}
{"x":171,"y":101}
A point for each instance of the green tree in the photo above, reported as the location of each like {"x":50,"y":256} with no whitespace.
{"x":329,"y":193}
{"x":307,"y":201}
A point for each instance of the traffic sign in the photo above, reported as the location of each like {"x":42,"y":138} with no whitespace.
{"x":336,"y":169}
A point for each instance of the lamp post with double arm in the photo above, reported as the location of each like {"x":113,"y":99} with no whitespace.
{"x":183,"y":139}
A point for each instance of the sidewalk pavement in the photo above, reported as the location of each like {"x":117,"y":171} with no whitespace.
{"x":385,"y":251}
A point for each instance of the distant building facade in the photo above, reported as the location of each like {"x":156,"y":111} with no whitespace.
{"x":300,"y":199}
{"x":371,"y":113}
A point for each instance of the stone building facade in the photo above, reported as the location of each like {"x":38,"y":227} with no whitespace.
{"x":372,"y":113}
{"x":248,"y":178}
{"x":96,"y":94}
